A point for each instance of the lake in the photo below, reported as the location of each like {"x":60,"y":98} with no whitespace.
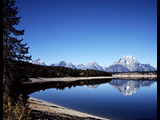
{"x":116,"y":99}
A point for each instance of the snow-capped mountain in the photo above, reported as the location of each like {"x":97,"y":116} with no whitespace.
{"x":52,"y":64}
{"x":38,"y":62}
{"x":64,"y":64}
{"x":70,"y":65}
{"x":128,"y":60}
{"x":61,"y":63}
{"x":129,"y":87}
{"x":81,"y":66}
{"x":125,"y":64}
{"x":116,"y":68}
{"x":146,"y":67}
{"x":94,"y":66}
{"x":90,"y":65}
{"x":130,"y":63}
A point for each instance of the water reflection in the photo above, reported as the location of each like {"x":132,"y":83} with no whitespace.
{"x":126,"y":87}
{"x":98,"y":97}
{"x":92,"y":86}
{"x":30,"y":88}
{"x":129,"y":87}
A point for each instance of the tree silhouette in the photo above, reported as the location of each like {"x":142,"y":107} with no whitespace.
{"x":13,"y":49}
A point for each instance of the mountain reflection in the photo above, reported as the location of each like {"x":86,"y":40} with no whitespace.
{"x":92,"y":86}
{"x":129,"y":87}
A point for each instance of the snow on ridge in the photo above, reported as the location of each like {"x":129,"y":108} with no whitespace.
{"x":38,"y":62}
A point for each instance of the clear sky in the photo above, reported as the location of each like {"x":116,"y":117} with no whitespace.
{"x":81,"y":31}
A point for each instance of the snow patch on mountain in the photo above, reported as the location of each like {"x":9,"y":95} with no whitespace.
{"x":81,"y":66}
{"x":70,"y":65}
{"x":64,"y":64}
{"x":38,"y":62}
{"x":94,"y":66}
{"x":61,"y":63}
{"x":116,"y":68}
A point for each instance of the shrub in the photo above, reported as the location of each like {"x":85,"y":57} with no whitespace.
{"x":15,"y":111}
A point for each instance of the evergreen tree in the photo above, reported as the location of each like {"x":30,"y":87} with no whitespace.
{"x":13,"y":48}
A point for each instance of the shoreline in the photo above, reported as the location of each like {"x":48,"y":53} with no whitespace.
{"x":65,"y":79}
{"x":56,"y":110}
{"x":71,"y":79}
{"x":46,"y":110}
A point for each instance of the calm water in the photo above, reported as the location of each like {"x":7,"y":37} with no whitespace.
{"x":117,"y":99}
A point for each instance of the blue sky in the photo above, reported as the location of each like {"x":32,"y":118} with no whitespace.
{"x":81,"y":31}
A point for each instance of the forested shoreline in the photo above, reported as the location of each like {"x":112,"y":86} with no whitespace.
{"x":33,"y":70}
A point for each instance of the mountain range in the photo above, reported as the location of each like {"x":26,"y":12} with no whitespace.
{"x":125,"y":64}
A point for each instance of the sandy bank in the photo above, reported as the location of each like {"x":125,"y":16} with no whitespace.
{"x":46,"y":107}
{"x":71,"y":79}
{"x":66,"y":79}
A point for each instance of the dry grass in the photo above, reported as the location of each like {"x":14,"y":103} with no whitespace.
{"x":16,"y":111}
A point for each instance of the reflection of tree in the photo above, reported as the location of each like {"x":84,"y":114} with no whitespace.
{"x":30,"y":88}
{"x":129,"y":87}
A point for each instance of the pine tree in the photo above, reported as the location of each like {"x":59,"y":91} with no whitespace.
{"x":13,"y":49}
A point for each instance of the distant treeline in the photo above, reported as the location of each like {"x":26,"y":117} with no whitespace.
{"x":33,"y":70}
